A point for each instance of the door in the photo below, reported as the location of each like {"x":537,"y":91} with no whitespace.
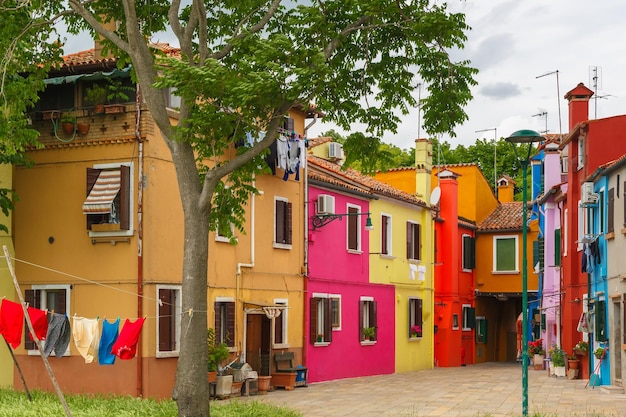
{"x":258,"y":343}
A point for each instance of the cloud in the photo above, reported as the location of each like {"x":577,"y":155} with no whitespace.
{"x":500,"y":90}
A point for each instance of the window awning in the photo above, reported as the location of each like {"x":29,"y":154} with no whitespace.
{"x":101,"y":196}
{"x":271,"y":310}
{"x":99,"y":75}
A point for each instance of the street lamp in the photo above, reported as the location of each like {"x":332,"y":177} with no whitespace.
{"x":527,"y":137}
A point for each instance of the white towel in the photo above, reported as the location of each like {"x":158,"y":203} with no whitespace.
{"x":86,"y":337}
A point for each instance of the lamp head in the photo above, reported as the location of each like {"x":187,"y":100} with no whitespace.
{"x":525,"y":136}
{"x":368,"y":224}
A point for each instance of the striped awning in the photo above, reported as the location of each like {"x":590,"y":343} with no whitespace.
{"x":101,"y":196}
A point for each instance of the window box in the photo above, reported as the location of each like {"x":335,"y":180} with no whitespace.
{"x":114,"y":108}
{"x":105,"y":227}
{"x":286,"y":380}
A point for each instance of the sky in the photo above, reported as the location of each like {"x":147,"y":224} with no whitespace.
{"x":521,"y":49}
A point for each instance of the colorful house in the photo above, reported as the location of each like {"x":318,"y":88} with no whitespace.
{"x":122,"y":259}
{"x":589,"y":145}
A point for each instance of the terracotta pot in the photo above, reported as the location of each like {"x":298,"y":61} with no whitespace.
{"x":572,"y":364}
{"x":68,"y":128}
{"x":264,"y":383}
{"x":212,"y":376}
{"x":99,"y":108}
{"x":83,"y":128}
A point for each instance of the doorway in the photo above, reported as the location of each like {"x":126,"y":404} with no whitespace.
{"x":615,"y":342}
{"x":258,"y":342}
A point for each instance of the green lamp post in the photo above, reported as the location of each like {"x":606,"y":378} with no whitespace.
{"x":525,"y":137}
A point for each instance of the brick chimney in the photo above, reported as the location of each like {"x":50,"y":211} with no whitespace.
{"x":506,"y":189}
{"x":578,"y":99}
{"x":423,"y":168}
{"x":110,"y":25}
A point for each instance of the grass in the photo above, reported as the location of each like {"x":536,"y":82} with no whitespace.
{"x":16,"y":404}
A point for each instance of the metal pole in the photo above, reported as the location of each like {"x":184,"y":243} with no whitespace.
{"x":524,"y":294}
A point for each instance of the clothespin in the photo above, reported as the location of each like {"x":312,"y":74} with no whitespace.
{"x":190,"y":312}
{"x":160,"y":303}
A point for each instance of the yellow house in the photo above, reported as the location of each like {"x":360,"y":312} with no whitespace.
{"x":126,"y":262}
{"x":6,"y":281}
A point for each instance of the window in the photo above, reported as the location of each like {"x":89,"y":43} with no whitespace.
{"x":224,"y":231}
{"x":353,"y":231}
{"x":581,"y":151}
{"x":367,"y":317}
{"x":54,"y":298}
{"x":280,"y":324}
{"x":481,"y":329}
{"x":505,"y":254}
{"x":611,"y":212}
{"x":557,"y":247}
{"x":601,"y":215}
{"x":385,"y":234}
{"x":415,"y":318}
{"x":600,"y":322}
{"x":413,"y":241}
{"x":321,"y":319}
{"x":565,"y":231}
{"x":469,"y":317}
{"x":168,"y":320}
{"x":109,"y":198}
{"x":172,"y":99}
{"x":469,"y":252}
{"x":455,"y":322}
{"x":335,"y":311}
{"x":282,"y":223}
{"x":624,"y":202}
{"x":538,"y":254}
{"x":225,"y":321}
{"x":581,"y":225}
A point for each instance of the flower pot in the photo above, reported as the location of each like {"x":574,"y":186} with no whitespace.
{"x":559,"y":371}
{"x":68,"y":128}
{"x":286,"y":380}
{"x":264,"y":384}
{"x":212,"y":376}
{"x":572,"y":364}
{"x":580,"y":352}
{"x":538,"y":362}
{"x":99,"y":108}
{"x":83,"y":128}
{"x":114,"y":108}
{"x":224,"y":386}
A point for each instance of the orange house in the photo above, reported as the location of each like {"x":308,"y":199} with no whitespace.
{"x":123,"y":259}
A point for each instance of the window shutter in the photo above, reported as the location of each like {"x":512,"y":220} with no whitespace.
{"x":409,"y":241}
{"x":218,"y":318}
{"x":165,"y":320}
{"x":471,"y":317}
{"x":353,"y":233}
{"x":92,"y":176}
{"x":611,"y":214}
{"x":469,"y":252}
{"x":624,"y":318}
{"x":418,"y":243}
{"x":328,"y":320}
{"x":472,"y":255}
{"x":373,"y":318}
{"x":278,"y":329}
{"x":419,"y":321}
{"x":288,"y":223}
{"x":557,"y":247}
{"x":624,"y":202}
{"x":361,"y":322}
{"x":32,"y":298}
{"x":313,"y":321}
{"x":230,"y":323}
{"x":280,"y":221}
{"x":384,"y":220}
{"x":125,"y":197}
{"x":61,"y":302}
{"x":600,"y":321}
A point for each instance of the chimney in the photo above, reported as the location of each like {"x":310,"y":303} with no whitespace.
{"x":423,"y":168}
{"x":506,"y":189}
{"x":578,"y":104}
{"x":110,"y":25}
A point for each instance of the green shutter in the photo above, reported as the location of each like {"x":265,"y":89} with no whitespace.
{"x":557,"y":247}
{"x":600,"y":315}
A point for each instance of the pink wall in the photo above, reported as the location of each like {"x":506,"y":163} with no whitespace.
{"x":333,"y":270}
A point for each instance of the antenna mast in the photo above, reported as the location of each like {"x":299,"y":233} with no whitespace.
{"x":558,"y":99}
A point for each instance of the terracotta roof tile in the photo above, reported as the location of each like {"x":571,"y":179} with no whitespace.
{"x":313,"y":142}
{"x":505,"y":216}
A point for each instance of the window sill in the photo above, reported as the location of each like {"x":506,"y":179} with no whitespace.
{"x":167,"y":354}
{"x":610,"y":236}
{"x":280,"y":346}
{"x":281,"y":246}
{"x":623,"y":231}
{"x":415,"y":261}
{"x":415,"y":338}
{"x":321,"y":344}
{"x":355,"y":251}
{"x":368,"y":342}
{"x":504,"y":272}
{"x":386,"y":256}
{"x":110,"y":232}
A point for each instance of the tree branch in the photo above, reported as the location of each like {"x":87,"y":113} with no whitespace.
{"x":353,"y":27}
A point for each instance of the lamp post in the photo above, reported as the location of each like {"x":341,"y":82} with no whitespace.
{"x":524,"y":137}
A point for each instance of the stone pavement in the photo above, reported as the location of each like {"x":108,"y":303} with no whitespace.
{"x":490,"y":389}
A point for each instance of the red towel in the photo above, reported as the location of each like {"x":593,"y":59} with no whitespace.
{"x":11,"y":322}
{"x":39,"y":319}
{"x":125,"y":346}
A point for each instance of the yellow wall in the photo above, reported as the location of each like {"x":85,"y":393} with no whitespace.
{"x":6,"y":281}
{"x":410,"y":354}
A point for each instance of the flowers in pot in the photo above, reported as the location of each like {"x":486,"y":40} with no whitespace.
{"x":415,"y":331}
{"x":599,"y":352}
{"x":68,"y":122}
{"x":581,"y":348}
{"x":557,"y":356}
{"x":536,"y":348}
{"x":369,"y":332}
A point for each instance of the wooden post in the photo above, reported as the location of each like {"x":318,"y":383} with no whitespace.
{"x":19,"y":370}
{"x":32,"y":332}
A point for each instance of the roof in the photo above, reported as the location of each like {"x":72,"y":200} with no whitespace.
{"x":331,"y":173}
{"x":506,"y":216}
{"x":313,"y":142}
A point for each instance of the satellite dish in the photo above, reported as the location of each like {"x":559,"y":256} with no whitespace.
{"x":435,"y":196}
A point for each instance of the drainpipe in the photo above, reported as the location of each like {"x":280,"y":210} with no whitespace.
{"x":139,"y":235}
{"x":306,"y":241}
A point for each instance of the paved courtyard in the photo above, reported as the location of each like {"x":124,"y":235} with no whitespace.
{"x":493,"y":389}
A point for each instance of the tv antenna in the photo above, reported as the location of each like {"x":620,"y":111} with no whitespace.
{"x":543,"y":114}
{"x":558,"y":99}
{"x":595,"y":80}
{"x":419,"y":109}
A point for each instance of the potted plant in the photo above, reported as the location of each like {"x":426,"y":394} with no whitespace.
{"x":96,"y":95}
{"x":368,"y":333}
{"x":581,"y":348}
{"x":320,"y":338}
{"x":117,"y":93}
{"x":415,"y":331}
{"x":69,"y":123}
{"x":599,"y":352}
{"x":218,"y":353}
{"x":557,"y":356}
{"x":536,"y":351}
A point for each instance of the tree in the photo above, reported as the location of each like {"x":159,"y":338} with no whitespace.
{"x":243,"y":65}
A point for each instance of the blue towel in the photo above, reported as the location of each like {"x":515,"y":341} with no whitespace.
{"x":107,"y":339}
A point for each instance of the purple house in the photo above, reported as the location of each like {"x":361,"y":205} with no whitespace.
{"x":349,"y":322}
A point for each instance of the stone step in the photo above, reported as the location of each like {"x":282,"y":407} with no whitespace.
{"x":612,"y":389}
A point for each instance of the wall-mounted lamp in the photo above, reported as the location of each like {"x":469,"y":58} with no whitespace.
{"x":321,"y":220}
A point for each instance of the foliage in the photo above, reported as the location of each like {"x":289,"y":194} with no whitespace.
{"x":68,"y":118}
{"x":369,"y":332}
{"x":218,"y":352}
{"x":96,"y":94}
{"x":557,"y":355}
{"x":572,"y":357}
{"x":117,"y":92}
{"x":536,"y":347}
{"x":46,"y":404}
{"x":242,"y":66}
{"x":415,"y":330}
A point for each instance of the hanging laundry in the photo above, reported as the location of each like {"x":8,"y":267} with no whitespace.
{"x":125,"y":346}
{"x":39,"y":320}
{"x":86,"y":337}
{"x":587,"y":250}
{"x":293,"y":159}
{"x":107,"y":340}
{"x":58,"y":337}
{"x":582,"y":323}
{"x":583,"y":260}
{"x":282,"y":151}
{"x":11,"y":322}
{"x":594,"y":250}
